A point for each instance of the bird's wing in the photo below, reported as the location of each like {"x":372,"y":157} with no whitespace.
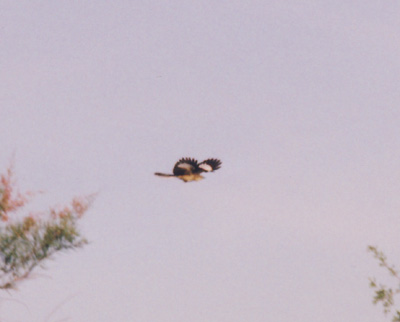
{"x":209,"y":165}
{"x":185,"y":166}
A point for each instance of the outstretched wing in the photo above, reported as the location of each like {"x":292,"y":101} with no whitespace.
{"x":209,"y":165}
{"x":185,"y":166}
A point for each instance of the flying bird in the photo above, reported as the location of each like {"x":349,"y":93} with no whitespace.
{"x":188,"y":169}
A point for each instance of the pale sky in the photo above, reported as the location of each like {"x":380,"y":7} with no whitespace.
{"x":299,"y":100}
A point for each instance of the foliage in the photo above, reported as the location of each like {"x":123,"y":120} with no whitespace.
{"x":26,"y":243}
{"x":384,"y":294}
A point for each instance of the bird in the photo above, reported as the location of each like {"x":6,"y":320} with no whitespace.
{"x":188,"y":169}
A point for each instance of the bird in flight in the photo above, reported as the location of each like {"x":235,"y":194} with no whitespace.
{"x":188,"y":169}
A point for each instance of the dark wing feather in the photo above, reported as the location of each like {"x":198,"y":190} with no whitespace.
{"x":209,"y":165}
{"x":185,"y":166}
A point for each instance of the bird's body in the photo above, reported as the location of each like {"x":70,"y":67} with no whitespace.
{"x":188,"y":169}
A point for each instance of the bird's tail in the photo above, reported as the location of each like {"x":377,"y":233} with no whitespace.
{"x":163,"y":174}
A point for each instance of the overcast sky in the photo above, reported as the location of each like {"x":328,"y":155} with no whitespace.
{"x":299,"y":100}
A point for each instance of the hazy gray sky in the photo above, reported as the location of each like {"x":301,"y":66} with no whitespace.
{"x":299,"y":100}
